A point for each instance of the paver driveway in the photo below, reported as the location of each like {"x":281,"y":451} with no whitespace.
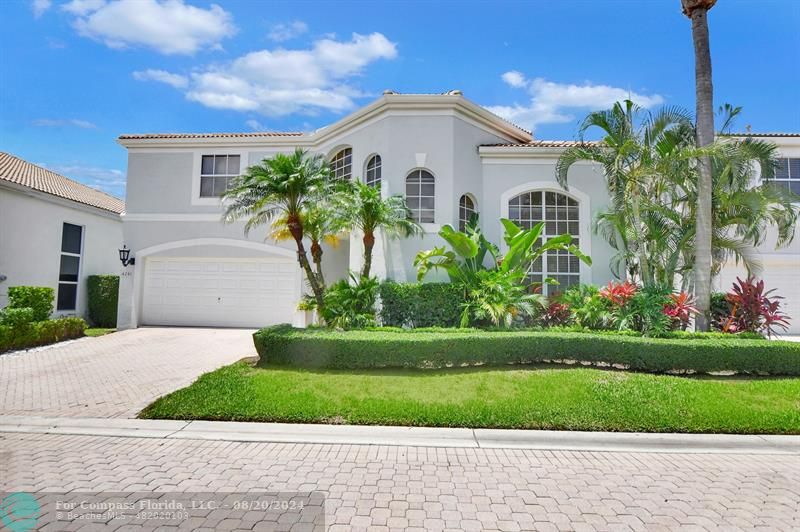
{"x":114,"y":375}
{"x":382,"y":488}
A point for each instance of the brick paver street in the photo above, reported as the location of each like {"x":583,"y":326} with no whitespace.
{"x":416,"y":488}
{"x":115,"y":375}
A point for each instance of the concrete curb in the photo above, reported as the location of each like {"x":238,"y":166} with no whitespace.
{"x":405,"y":436}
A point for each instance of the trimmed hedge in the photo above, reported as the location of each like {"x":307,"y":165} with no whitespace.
{"x":325,"y":348}
{"x":39,"y":298}
{"x":38,"y":333}
{"x":420,"y":304}
{"x":103,"y":297}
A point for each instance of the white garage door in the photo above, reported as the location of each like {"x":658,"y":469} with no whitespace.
{"x":220,"y":292}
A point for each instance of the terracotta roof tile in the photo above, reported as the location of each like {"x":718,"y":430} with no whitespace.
{"x":540,"y":144}
{"x":20,"y":172}
{"x":751,"y":134}
{"x":251,"y":134}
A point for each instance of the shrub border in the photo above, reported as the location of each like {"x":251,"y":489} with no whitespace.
{"x":322,"y":348}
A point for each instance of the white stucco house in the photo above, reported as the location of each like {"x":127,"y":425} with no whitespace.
{"x":445,"y":154}
{"x":55,"y":232}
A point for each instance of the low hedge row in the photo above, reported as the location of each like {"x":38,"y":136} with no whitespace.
{"x":420,"y":304}
{"x":25,"y":335}
{"x":324,"y":348}
{"x":103,"y":296}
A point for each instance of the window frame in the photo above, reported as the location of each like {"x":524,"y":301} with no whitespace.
{"x":463,"y":209}
{"x":214,"y":175}
{"x":416,"y":212}
{"x":790,"y":178}
{"x":197,"y":167}
{"x":333,"y":161}
{"x":377,"y":181}
{"x":584,"y":214}
{"x":79,"y":256}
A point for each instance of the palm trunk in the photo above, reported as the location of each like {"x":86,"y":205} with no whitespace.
{"x":316,"y":256}
{"x":644,"y":262}
{"x":296,"y":230}
{"x":369,"y":244}
{"x":697,"y":11}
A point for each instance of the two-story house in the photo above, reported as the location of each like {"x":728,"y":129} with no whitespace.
{"x":446,"y":155}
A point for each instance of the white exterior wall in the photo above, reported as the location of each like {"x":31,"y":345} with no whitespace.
{"x":30,"y":242}
{"x":780,"y":266}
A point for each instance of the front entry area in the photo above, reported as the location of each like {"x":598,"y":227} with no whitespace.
{"x":219,"y":292}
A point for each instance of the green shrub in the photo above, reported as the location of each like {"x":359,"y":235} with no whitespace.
{"x":103,"y":297}
{"x":40,"y":333}
{"x":431,"y":349}
{"x":351,"y":305}
{"x":421,"y":304}
{"x":39,"y":298}
{"x":16,"y":317}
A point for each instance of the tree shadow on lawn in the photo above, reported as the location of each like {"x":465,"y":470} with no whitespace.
{"x":481,"y":368}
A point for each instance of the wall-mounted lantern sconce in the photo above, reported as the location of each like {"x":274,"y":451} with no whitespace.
{"x":125,"y":256}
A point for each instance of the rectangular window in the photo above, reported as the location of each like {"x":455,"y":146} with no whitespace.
{"x":787,"y":174}
{"x":69,"y":266}
{"x":216,"y":173}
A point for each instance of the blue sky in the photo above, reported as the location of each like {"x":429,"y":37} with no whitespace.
{"x":76,"y":74}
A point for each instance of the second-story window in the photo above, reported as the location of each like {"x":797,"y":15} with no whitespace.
{"x":787,"y":174}
{"x":216,"y":173}
{"x":373,"y":177}
{"x":342,"y":164}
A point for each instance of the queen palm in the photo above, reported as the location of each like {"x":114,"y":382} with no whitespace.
{"x":697,"y":11}
{"x":284,"y":185}
{"x":360,"y":207}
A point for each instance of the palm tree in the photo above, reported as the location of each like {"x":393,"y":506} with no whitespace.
{"x":284,"y":185}
{"x":630,"y":154}
{"x":360,"y":207}
{"x":697,"y":11}
{"x":318,"y":227}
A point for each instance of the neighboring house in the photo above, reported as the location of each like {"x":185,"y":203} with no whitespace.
{"x":448,"y":156}
{"x":55,"y":232}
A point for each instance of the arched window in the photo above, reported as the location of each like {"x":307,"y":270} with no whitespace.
{"x":420,"y":188}
{"x":560,"y":215}
{"x":373,"y":173}
{"x":466,"y":208}
{"x":342,"y":164}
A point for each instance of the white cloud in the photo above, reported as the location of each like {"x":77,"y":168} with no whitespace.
{"x":168,"y":26}
{"x":108,"y":180}
{"x":551,"y":102}
{"x":255,"y":125}
{"x":76,"y":122}
{"x":40,"y":6}
{"x":285,"y":32}
{"x":82,"y":7}
{"x":281,"y":82}
{"x":174,"y":80}
{"x":514,"y":78}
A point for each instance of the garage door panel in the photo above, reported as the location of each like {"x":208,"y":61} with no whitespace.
{"x":219,"y":292}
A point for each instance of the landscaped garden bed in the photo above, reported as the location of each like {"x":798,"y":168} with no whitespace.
{"x":436,"y":348}
{"x":522,"y":397}
{"x":26,"y":322}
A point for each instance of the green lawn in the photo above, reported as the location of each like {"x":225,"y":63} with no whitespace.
{"x":530,"y":397}
{"x":98,"y":331}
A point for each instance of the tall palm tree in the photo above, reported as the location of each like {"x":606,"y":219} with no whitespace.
{"x":360,"y":207}
{"x":284,"y":185}
{"x":629,"y":153}
{"x":697,"y":11}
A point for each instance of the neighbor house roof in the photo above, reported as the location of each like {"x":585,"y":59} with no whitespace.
{"x":751,"y":134}
{"x":20,"y":172}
